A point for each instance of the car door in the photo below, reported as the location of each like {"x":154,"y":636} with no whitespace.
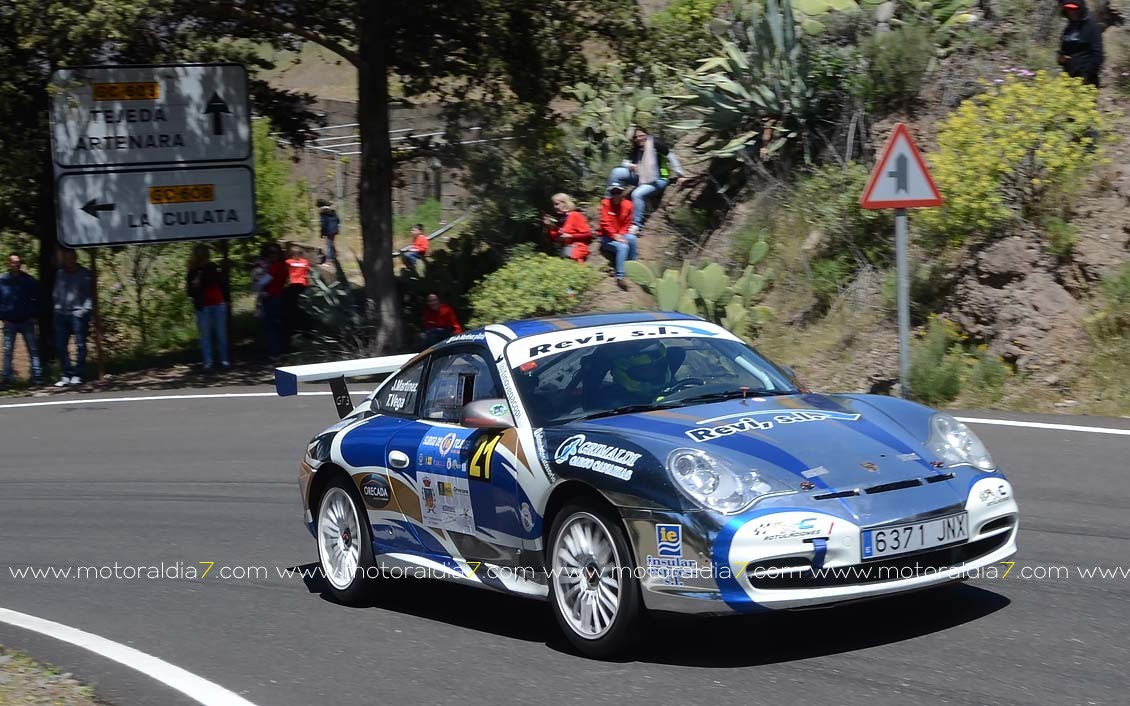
{"x":466,"y":500}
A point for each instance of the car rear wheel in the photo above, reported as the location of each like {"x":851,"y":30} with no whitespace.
{"x":345,"y":548}
{"x":593,"y":589}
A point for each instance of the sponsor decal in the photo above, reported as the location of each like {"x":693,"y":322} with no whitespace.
{"x":814,"y":472}
{"x":994,"y":496}
{"x":764,"y":421}
{"x":778,"y":530}
{"x":527,"y":516}
{"x":807,"y":485}
{"x":446,"y":443}
{"x":909,"y":457}
{"x":669,"y":540}
{"x":614,"y":461}
{"x":543,"y":453}
{"x":375,"y":491}
{"x":476,"y":337}
{"x":511,"y":395}
{"x":869,"y":466}
{"x":498,"y":410}
{"x":446,"y":503}
{"x":546,"y":344}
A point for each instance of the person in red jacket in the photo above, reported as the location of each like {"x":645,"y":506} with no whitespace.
{"x":615,"y":230}
{"x":568,"y":228}
{"x":273,"y":283}
{"x":418,"y":249}
{"x":439,"y":321}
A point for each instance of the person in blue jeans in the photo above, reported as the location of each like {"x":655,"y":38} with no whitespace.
{"x":329,"y":224}
{"x":73,"y":298}
{"x":651,"y":167}
{"x":208,"y":288}
{"x":19,"y":303}
{"x":615,"y":230}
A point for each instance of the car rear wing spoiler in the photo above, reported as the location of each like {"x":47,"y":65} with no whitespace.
{"x":288,"y":378}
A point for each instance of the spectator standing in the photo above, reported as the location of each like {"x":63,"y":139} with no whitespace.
{"x":418,"y":249}
{"x":439,"y":321}
{"x":616,"y":237}
{"x":298,"y":279}
{"x":272,"y":283}
{"x":1081,"y":45}
{"x":651,"y":167}
{"x":329,"y":224}
{"x":74,"y":302}
{"x":19,"y":304}
{"x":568,"y":228}
{"x":211,"y":296}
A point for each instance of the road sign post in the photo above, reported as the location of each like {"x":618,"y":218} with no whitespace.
{"x":147,"y":154}
{"x":901,"y":180}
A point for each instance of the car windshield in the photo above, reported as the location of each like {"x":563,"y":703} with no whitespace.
{"x":638,"y":375}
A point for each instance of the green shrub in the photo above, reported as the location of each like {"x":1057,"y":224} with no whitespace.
{"x":1061,"y":237}
{"x":680,"y":32}
{"x":897,"y":63}
{"x":828,"y":199}
{"x":533,"y":285}
{"x":829,"y":277}
{"x":935,"y":364}
{"x":987,"y":375}
{"x":1012,"y":153}
{"x":1112,"y":321}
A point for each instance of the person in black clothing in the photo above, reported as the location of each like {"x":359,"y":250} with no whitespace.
{"x":1081,"y":46}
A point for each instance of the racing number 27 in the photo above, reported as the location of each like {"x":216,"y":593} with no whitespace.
{"x":480,"y":460}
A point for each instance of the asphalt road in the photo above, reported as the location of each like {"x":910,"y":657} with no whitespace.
{"x":191,"y":481}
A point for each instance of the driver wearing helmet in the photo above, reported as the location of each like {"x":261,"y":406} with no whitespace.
{"x":642,"y":372}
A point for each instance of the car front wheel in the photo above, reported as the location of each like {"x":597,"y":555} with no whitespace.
{"x":593,"y":589}
{"x":345,"y":550}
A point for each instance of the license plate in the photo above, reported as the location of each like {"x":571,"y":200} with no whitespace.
{"x":915,"y":536}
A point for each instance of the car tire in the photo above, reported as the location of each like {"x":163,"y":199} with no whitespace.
{"x":592,"y":584}
{"x":345,"y":545}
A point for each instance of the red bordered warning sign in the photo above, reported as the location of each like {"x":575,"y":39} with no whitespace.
{"x":900,"y":178}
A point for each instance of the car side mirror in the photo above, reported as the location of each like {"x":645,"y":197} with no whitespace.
{"x":488,"y":414}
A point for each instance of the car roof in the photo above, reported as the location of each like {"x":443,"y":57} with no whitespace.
{"x":533,"y":327}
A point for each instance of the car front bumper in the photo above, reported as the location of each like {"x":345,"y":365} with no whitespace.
{"x":782,"y":558}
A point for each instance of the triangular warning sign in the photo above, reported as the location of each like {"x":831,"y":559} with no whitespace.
{"x":900,"y":178}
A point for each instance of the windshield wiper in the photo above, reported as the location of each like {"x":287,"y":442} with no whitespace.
{"x":624,"y":409}
{"x":729,"y":395}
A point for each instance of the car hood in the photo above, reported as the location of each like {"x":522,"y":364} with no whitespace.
{"x":814,"y":444}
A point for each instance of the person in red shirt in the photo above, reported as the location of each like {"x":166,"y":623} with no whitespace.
{"x":273,"y":283}
{"x":298,"y":278}
{"x":419,"y":247}
{"x":439,"y":321}
{"x":208,"y":287}
{"x":616,"y":237}
{"x":568,"y":228}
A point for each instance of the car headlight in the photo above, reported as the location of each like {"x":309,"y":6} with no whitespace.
{"x":714,"y":483}
{"x":956,"y":444}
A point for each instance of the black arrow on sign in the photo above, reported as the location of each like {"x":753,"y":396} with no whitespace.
{"x":901,"y":174}
{"x":216,"y":108}
{"x":92,"y":207}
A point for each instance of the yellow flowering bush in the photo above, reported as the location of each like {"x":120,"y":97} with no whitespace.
{"x":1011,"y":152}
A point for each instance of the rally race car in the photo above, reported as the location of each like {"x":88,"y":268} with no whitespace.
{"x":617,"y":463}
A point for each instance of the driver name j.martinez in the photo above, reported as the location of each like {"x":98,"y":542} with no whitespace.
{"x":602,"y":458}
{"x":769,"y":418}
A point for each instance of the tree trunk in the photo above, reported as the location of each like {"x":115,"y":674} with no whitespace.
{"x":375,"y":197}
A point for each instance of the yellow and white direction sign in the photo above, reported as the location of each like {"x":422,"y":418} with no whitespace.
{"x":155,"y":205}
{"x":152,"y":153}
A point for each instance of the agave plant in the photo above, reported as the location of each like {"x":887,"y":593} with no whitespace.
{"x":610,"y":106}
{"x":752,"y":99}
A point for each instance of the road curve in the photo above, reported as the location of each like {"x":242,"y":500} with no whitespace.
{"x":183,"y":481}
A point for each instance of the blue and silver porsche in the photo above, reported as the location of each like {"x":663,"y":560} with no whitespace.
{"x":614,"y":464}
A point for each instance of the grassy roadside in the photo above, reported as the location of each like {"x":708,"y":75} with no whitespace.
{"x":26,"y":681}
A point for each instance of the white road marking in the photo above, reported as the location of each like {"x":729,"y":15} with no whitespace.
{"x":227,"y":395}
{"x":196,"y":688}
{"x":1046,"y":425}
{"x":208,"y":396}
